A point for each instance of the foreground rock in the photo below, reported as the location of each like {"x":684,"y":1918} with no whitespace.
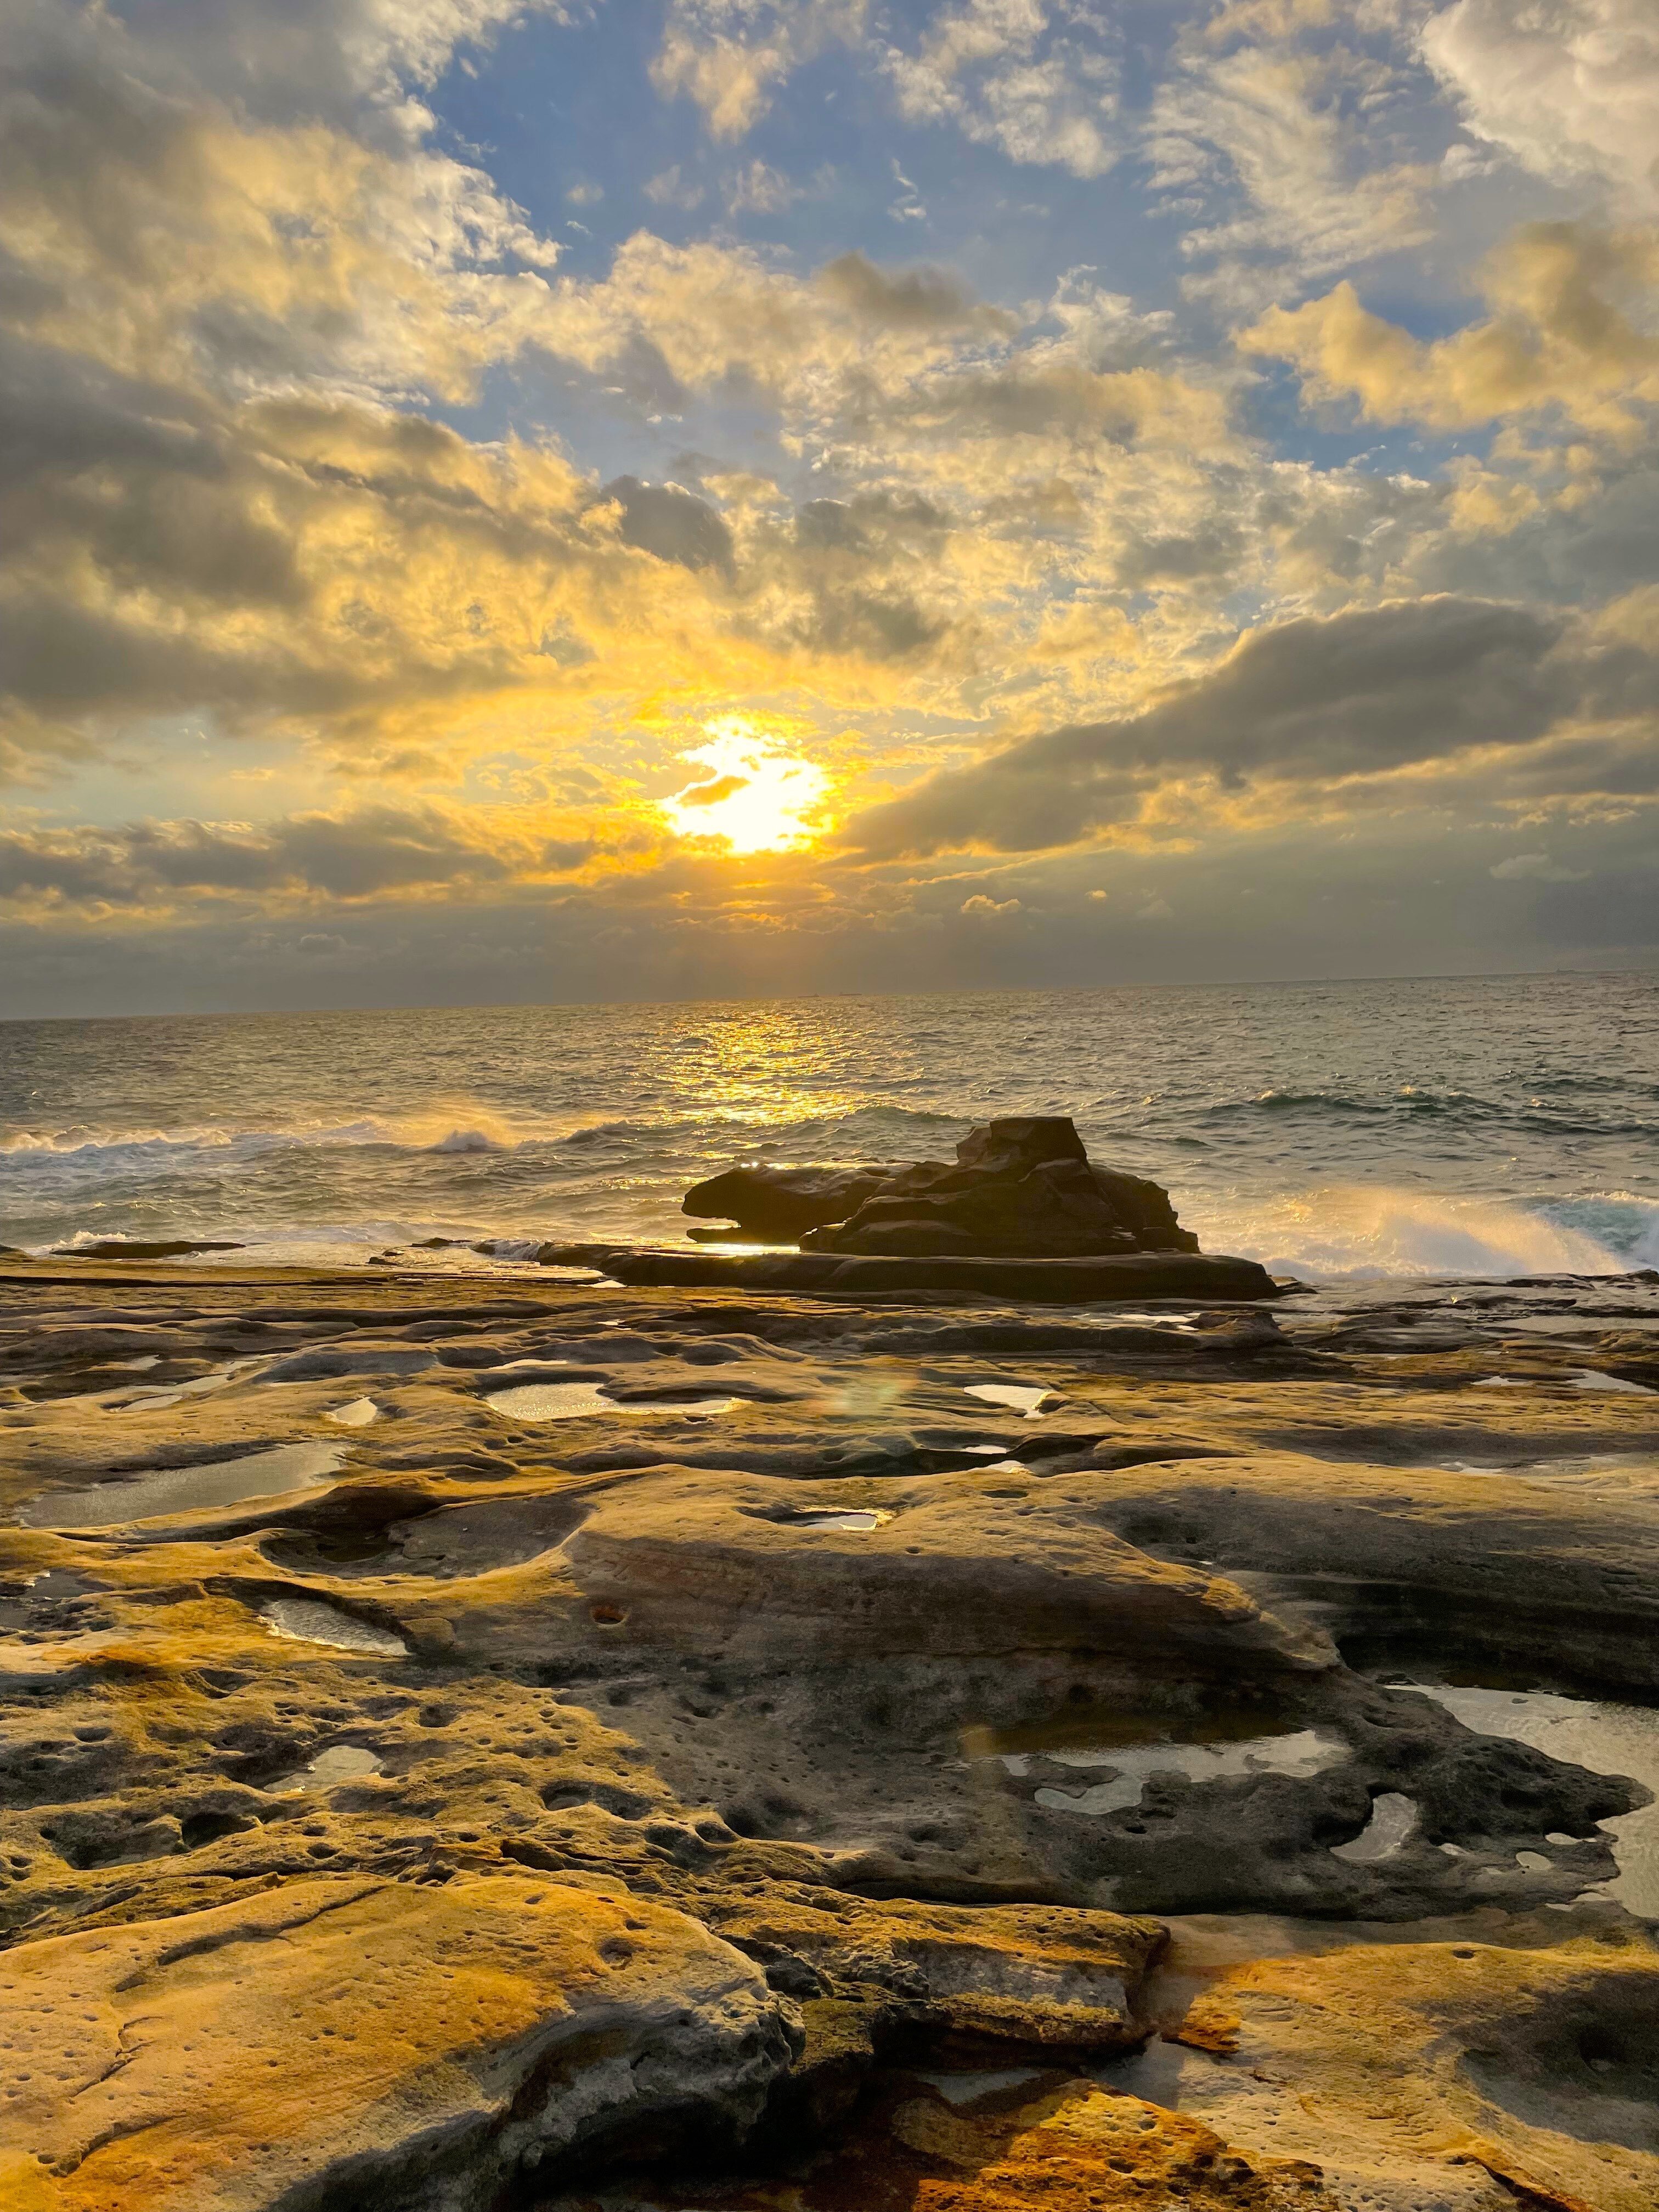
{"x":1528,"y":2068}
{"x":371,"y":2043}
{"x":1511,"y":2073}
{"x":887,"y":1674}
{"x":1029,"y":1975}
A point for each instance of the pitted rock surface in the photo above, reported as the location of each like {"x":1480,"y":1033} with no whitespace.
{"x":902,"y":1720}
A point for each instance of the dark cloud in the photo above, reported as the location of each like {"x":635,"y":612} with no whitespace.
{"x":673,"y":524}
{"x":332,"y":58}
{"x":364,"y":853}
{"x":1304,"y":702}
{"x":1214,"y":551}
{"x":907,"y":299}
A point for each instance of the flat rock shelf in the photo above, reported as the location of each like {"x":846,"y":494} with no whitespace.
{"x":847,"y":1731}
{"x":1108,"y":1279}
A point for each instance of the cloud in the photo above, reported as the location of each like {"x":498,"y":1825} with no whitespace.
{"x":167,"y":232}
{"x":1569,"y":87}
{"x":672,"y":188}
{"x":758,"y":189}
{"x":915,"y":299}
{"x":1535,"y":867}
{"x":1562,"y":334}
{"x":1036,"y":82}
{"x":363,"y":853}
{"x":729,"y":55}
{"x":1302,"y":705}
{"x":673,"y":524}
{"x":330,"y":58}
{"x":1277,"y":153}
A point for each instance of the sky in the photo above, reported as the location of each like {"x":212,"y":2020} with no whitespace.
{"x":537,"y":500}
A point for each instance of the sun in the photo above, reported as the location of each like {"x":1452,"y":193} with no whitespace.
{"x":758,"y":796}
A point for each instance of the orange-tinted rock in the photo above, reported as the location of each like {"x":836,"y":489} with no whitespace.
{"x":356,"y":2041}
{"x":1030,"y":1974}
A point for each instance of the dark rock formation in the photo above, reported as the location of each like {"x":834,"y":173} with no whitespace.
{"x":779,"y":1205}
{"x":1021,"y":1188}
{"x":1108,"y":1276}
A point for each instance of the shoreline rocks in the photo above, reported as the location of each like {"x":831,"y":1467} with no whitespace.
{"x":779,"y":1205}
{"x":1022,"y":1187}
{"x":1135,"y":1276}
{"x":777,"y":1704}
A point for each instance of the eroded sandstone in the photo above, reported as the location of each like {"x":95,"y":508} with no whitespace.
{"x":916,"y":1714}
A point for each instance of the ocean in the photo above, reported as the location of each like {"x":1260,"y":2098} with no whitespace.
{"x":1421,"y":1127}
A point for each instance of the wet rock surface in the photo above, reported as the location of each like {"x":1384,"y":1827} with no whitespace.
{"x":779,"y":1205}
{"x":901,"y":1750}
{"x":1020,"y":1188}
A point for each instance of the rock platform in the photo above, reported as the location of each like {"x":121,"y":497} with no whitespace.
{"x":740,"y":1744}
{"x":1110,"y":1278}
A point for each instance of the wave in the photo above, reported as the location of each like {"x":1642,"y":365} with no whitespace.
{"x":1414,"y":1101}
{"x":1410,"y":1098}
{"x":468,"y":1140}
{"x":1347,"y":1232}
{"x":427,"y":1133}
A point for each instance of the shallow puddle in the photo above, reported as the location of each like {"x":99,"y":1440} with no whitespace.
{"x":572,"y":1401}
{"x":157,"y":1397}
{"x":1393,"y":1818}
{"x":1024,"y":1398}
{"x":201,"y":1489}
{"x":1592,"y":1378}
{"x":549,"y":1401}
{"x":968,"y":2086}
{"x":1601,"y":1474}
{"x":356,"y":1413}
{"x":1306,"y":1752}
{"x":1607,"y":1739}
{"x":340,"y":1762}
{"x":56,"y":1586}
{"x":312,"y":1620}
{"x":857,"y":1518}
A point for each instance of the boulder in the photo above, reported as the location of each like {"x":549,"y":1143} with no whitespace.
{"x":357,"y":2041}
{"x":780,"y":1204}
{"x":1021,"y":1188}
{"x":1030,"y":1974}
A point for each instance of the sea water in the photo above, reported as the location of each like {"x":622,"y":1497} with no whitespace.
{"x":1473,"y":1127}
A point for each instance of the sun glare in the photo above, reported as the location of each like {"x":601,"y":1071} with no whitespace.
{"x":759,"y":798}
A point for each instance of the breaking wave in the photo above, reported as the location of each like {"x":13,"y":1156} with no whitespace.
{"x":1347,"y":1232}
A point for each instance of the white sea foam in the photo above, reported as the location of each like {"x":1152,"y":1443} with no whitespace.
{"x":1345,"y":1231}
{"x":468,"y":1140}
